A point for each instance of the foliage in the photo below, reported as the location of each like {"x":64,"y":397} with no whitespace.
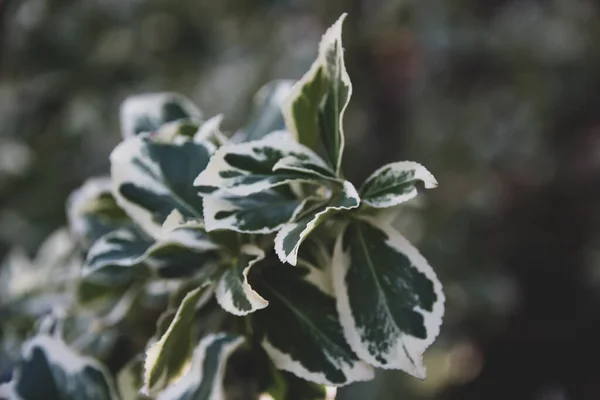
{"x":249,"y":248}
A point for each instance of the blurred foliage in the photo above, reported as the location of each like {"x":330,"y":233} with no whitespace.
{"x":498,"y":98}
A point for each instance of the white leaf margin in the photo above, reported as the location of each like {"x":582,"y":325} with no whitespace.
{"x":57,"y":353}
{"x":122,"y":171}
{"x":224,"y":295}
{"x":195,"y":373}
{"x":280,"y":140}
{"x":331,"y":38}
{"x":214,"y":204}
{"x":151,"y":104}
{"x":292,"y":257}
{"x":154,"y":350}
{"x":359,"y":372}
{"x":420,"y":174}
{"x":211,"y":130}
{"x":180,"y":236}
{"x":433,"y":320}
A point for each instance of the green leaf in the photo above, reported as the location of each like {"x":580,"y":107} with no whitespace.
{"x":167,"y":358}
{"x":204,"y":379}
{"x":291,"y":236}
{"x":233,"y":292}
{"x":390,"y":301}
{"x":316,"y":106}
{"x":245,"y":168}
{"x":300,"y":329}
{"x":93,"y":212}
{"x":266,"y":117}
{"x":262,"y":212}
{"x":151,"y":179}
{"x":395,"y":183}
{"x":50,"y":370}
{"x":148,"y":112}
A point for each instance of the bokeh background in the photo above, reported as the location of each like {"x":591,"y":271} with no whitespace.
{"x":500,"y":99}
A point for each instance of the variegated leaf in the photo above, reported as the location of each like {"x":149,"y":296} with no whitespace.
{"x":390,"y":301}
{"x":93,"y":212}
{"x":205,"y":374}
{"x":129,"y":379}
{"x":167,"y":359}
{"x":174,"y":132}
{"x":50,"y":370}
{"x":182,"y":252}
{"x":261,"y":212}
{"x":395,"y":183}
{"x":210,"y":131}
{"x":151,"y":179}
{"x":148,"y":112}
{"x":266,"y":117}
{"x":311,"y":167}
{"x":245,"y":168}
{"x":178,"y":252}
{"x":233,"y":292}
{"x":111,"y":258}
{"x":315,"y":108}
{"x":291,"y":236}
{"x":300,"y":328}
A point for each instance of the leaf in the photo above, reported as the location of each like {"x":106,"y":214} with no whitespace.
{"x":178,"y":252}
{"x":167,"y":359}
{"x":174,"y":132}
{"x":233,"y":292}
{"x":266,"y":117}
{"x":151,"y":179}
{"x":125,"y":247}
{"x":390,"y":301}
{"x":92,"y":211}
{"x":129,"y":379}
{"x":50,"y":370}
{"x":316,"y":105}
{"x":314,"y":167}
{"x":210,"y":130}
{"x":262,"y":212}
{"x":395,"y":183}
{"x":183,"y":252}
{"x":148,"y":112}
{"x":293,"y":388}
{"x":300,"y":329}
{"x":204,"y":379}
{"x":91,"y":289}
{"x":291,"y":236}
{"x":245,"y":168}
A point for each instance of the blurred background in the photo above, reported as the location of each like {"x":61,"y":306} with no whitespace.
{"x":500,"y":99}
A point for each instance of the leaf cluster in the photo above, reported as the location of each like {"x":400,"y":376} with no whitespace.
{"x":249,"y":249}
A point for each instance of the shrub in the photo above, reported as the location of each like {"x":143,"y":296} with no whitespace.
{"x":234,"y":267}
